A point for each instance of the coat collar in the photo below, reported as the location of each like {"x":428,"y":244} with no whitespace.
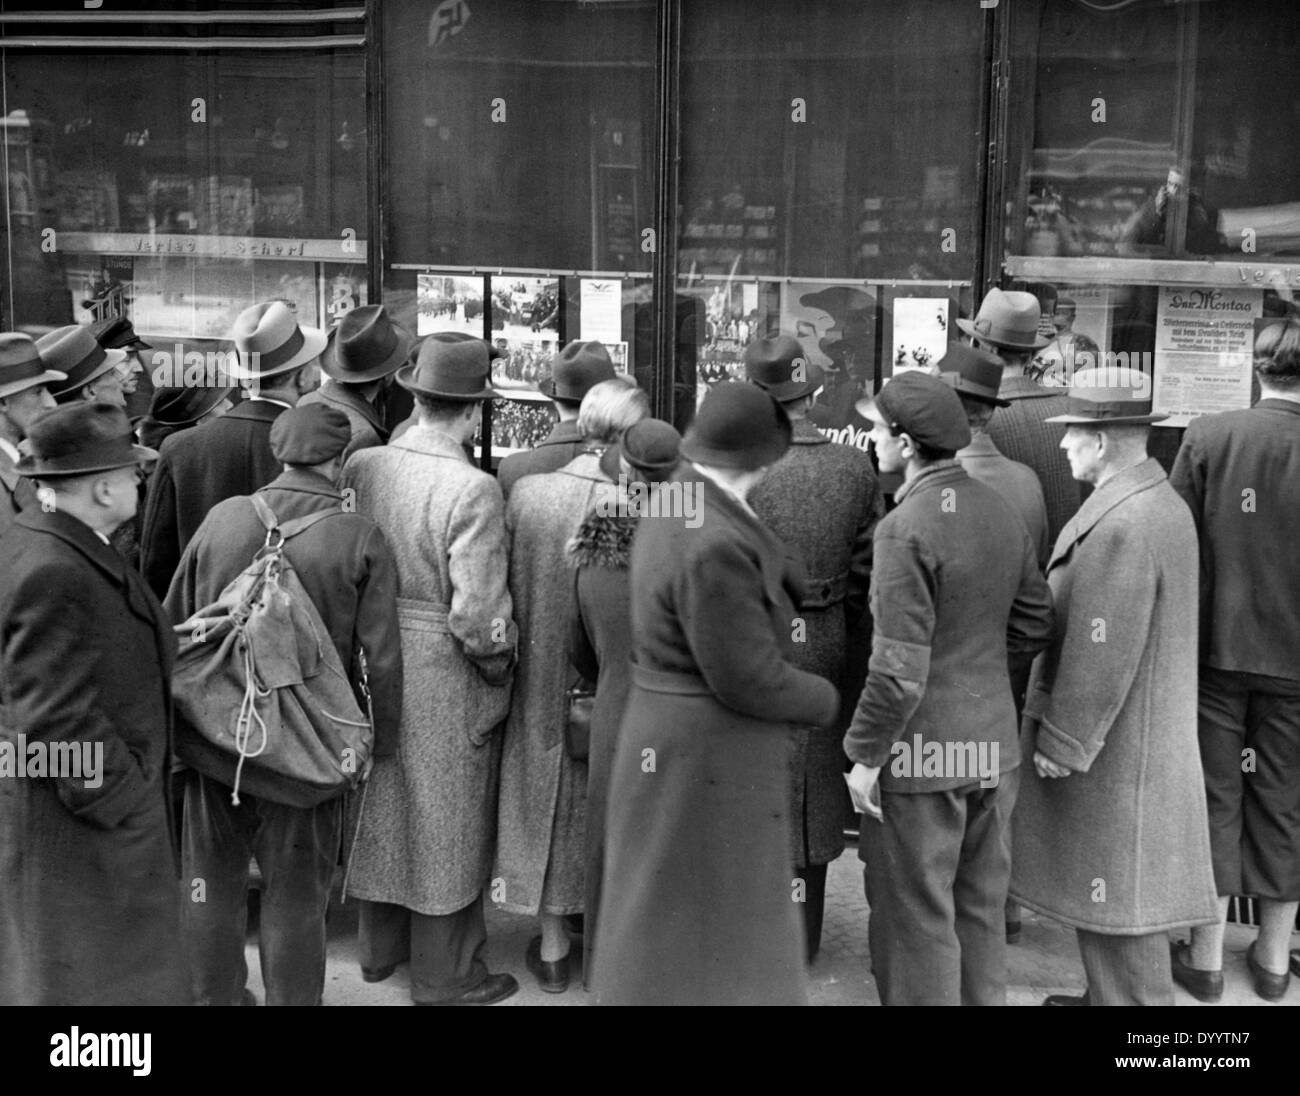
{"x":936,"y":475}
{"x":981,"y":445}
{"x":1025,"y":388}
{"x":431,"y":441}
{"x":311,"y":483}
{"x":562,"y":433}
{"x":585,"y":466}
{"x":8,"y":476}
{"x":254,"y":410}
{"x":1289,"y":406}
{"x":805,"y":433}
{"x":80,"y":536}
{"x":1131,"y":481}
{"x":332,"y":392}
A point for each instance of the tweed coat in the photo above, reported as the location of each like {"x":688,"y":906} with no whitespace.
{"x":345,"y":567}
{"x":823,"y":501}
{"x":1122,"y":845}
{"x":541,"y":816}
{"x":696,"y":901}
{"x":427,"y":826}
{"x":561,"y":445}
{"x":196,"y":469}
{"x":90,"y":900}
{"x":1021,"y":434}
{"x":600,"y":645}
{"x":1015,"y":482}
{"x":367,"y":427}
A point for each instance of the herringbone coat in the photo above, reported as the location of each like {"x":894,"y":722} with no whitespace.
{"x":428,"y":821}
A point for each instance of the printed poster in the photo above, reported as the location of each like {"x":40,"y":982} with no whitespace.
{"x":601,"y":310}
{"x":526,"y":329}
{"x":1204,"y":351}
{"x":922,"y":329}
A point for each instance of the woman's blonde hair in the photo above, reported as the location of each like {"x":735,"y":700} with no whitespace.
{"x":610,"y":407}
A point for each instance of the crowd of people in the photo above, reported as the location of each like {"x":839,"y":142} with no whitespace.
{"x":634,"y":685}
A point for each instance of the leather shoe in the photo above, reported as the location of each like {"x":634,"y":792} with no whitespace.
{"x":1270,"y":986}
{"x":377,"y":974}
{"x":493,"y":988}
{"x":1065,"y":999}
{"x":552,"y":977}
{"x":1204,"y":985}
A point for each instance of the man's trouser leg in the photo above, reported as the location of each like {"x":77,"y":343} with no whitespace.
{"x":814,"y":905}
{"x":383,"y":934}
{"x":216,"y":846}
{"x":447,"y":953}
{"x":980,"y":891}
{"x":1127,"y":970}
{"x":297,"y":849}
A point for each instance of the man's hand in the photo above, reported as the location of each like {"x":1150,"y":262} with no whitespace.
{"x":1047,"y":768}
{"x":864,"y":790}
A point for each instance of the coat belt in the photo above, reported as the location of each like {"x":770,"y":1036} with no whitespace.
{"x":664,"y":681}
{"x":822,"y":593}
{"x":431,"y":614}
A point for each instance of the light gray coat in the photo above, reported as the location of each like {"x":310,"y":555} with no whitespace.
{"x":427,"y":826}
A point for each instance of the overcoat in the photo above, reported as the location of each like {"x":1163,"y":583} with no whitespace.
{"x":428,"y":818}
{"x":561,"y":445}
{"x":1015,"y":482}
{"x":367,"y":426}
{"x":198,"y":468}
{"x":541,"y":816}
{"x":16,"y":492}
{"x":1122,"y":845}
{"x":600,"y":645}
{"x":90,"y":897}
{"x":696,"y":901}
{"x":823,"y":501}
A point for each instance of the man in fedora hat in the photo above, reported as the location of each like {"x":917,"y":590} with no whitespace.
{"x":349,"y":573}
{"x":423,"y":853}
{"x":413,"y":419}
{"x":1111,"y":834}
{"x":93,"y":373}
{"x":24,"y":397}
{"x":823,"y":501}
{"x":365,"y":350}
{"x":1239,"y":472}
{"x":574,"y":371}
{"x":90,"y":907}
{"x":1007,"y":325}
{"x":955,"y":586}
{"x":172,"y":409}
{"x":230,"y":455}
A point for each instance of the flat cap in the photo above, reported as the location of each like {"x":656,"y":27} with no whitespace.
{"x":117,"y":333}
{"x":922,"y":406}
{"x":310,"y":434}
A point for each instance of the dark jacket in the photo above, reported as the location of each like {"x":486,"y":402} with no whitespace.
{"x":1239,"y":472}
{"x":90,"y":901}
{"x":560,"y":446}
{"x":16,"y":492}
{"x":823,"y":501}
{"x":197,"y":469}
{"x":1020,"y":434}
{"x":696,"y":898}
{"x":345,"y":566}
{"x":367,"y":426}
{"x":955,"y":588}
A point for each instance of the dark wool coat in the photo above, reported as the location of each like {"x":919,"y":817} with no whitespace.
{"x":16,"y":492}
{"x":1239,"y":473}
{"x":823,"y":501}
{"x":600,"y":644}
{"x":367,"y":427}
{"x":345,"y":567}
{"x":428,"y":825}
{"x":1122,"y":844}
{"x":197,"y":469}
{"x":1021,"y":434}
{"x":541,"y":817}
{"x":696,"y":901}
{"x":90,"y":899}
{"x":561,"y":445}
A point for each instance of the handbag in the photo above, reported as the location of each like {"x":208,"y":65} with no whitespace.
{"x":577,"y":728}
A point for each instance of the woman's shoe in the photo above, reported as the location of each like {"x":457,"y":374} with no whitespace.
{"x":1270,"y":986}
{"x":1204,"y":985}
{"x":552,"y":977}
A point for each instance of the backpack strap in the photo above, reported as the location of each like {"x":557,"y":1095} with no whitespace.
{"x":290,"y":528}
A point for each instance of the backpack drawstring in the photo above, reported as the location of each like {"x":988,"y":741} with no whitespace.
{"x":247,"y":717}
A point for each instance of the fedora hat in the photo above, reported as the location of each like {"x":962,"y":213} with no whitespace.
{"x":181,"y":406}
{"x":738,"y":425}
{"x":449,"y":366}
{"x":118,"y":333}
{"x":366,"y":345}
{"x":1113,"y":395}
{"x":79,"y":438}
{"x":976,"y":374}
{"x":651,"y":446}
{"x":779,"y":367}
{"x":1007,"y":319}
{"x":21,"y":365}
{"x":74,"y":351}
{"x":269,"y":341}
{"x":577,"y":369}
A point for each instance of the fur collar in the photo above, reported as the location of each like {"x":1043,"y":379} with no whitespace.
{"x":602,"y":541}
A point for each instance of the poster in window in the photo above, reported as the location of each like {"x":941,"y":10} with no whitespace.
{"x":343,"y":288}
{"x":449,"y":302}
{"x":1204,"y":351}
{"x":162,"y":289}
{"x":835,"y":325}
{"x":291,"y":282}
{"x":525,"y":317}
{"x":919,"y":333}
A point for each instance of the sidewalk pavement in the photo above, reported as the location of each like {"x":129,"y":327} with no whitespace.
{"x":1045,"y":961}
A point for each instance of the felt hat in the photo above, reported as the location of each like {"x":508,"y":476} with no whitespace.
{"x":450,"y":367}
{"x":79,"y":438}
{"x":269,"y":341}
{"x":651,"y":446}
{"x":1007,"y":319}
{"x":72,"y":349}
{"x":1109,"y":395}
{"x":976,"y":374}
{"x":922,"y":406}
{"x":738,"y":425}
{"x":780,"y":367}
{"x":21,"y":365}
{"x":310,"y":434}
{"x":181,"y":406}
{"x":366,"y":345}
{"x":576,"y":370}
